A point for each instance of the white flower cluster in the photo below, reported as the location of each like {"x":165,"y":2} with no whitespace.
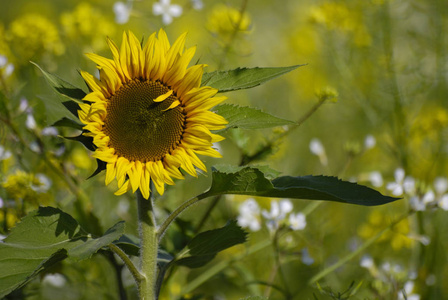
{"x":386,"y":271}
{"x":250,"y":216}
{"x":6,"y":68}
{"x":433,"y":197}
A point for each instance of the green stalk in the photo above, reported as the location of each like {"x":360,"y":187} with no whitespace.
{"x":148,"y":249}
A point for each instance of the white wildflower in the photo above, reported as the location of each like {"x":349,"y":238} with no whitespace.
{"x":318,"y":149}
{"x":56,"y":280}
{"x":297,"y":221}
{"x":23,"y":106}
{"x":443,"y":202}
{"x":30,"y":121}
{"x":278,"y":213}
{"x":249,"y":216}
{"x":366,"y":262}
{"x":44,"y":183}
{"x":122,"y":12}
{"x":34,"y":146}
{"x":376,"y":179}
{"x":306,"y":257}
{"x":440,"y":185}
{"x":402,"y":184}
{"x":369,"y":142}
{"x":4,"y":154}
{"x":407,"y":290}
{"x":167,"y":10}
{"x":197,"y":4}
{"x":421,"y":203}
{"x":50,"y":131}
{"x":8,"y":67}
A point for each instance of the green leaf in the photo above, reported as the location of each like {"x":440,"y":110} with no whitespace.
{"x":245,"y":78}
{"x":252,"y":181}
{"x":66,"y":122}
{"x":43,"y":238}
{"x":62,"y":87}
{"x":130,"y":244}
{"x":248,"y":118}
{"x":204,"y":247}
{"x":255,"y":298}
{"x":87,"y":141}
{"x":67,"y":94}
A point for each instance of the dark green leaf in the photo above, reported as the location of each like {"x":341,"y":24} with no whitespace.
{"x":43,"y":238}
{"x":248,"y":117}
{"x":252,"y":181}
{"x":204,"y":247}
{"x":101,"y":165}
{"x":62,"y":87}
{"x":66,"y":122}
{"x":129,"y":244}
{"x":87,"y":141}
{"x":244,"y":78}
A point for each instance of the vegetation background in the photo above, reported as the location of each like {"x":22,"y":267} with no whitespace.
{"x":380,"y":65}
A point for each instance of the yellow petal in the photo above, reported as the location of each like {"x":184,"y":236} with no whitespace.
{"x":164,"y":96}
{"x":174,"y":104}
{"x":134,"y":177}
{"x":124,"y":188}
{"x":111,"y":171}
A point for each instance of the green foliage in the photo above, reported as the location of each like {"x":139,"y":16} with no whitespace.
{"x":204,"y":247}
{"x":43,"y":238}
{"x":67,"y":95}
{"x":252,"y":181}
{"x":248,"y":118}
{"x":243,"y":78}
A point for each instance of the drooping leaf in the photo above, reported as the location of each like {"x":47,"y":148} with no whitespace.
{"x":204,"y":247}
{"x":101,"y":166}
{"x":243,"y":78}
{"x":65,"y":104}
{"x":267,"y":171}
{"x":252,"y":181}
{"x":43,"y":238}
{"x":248,"y":118}
{"x":87,"y":141}
{"x":62,"y":87}
{"x":66,"y":122}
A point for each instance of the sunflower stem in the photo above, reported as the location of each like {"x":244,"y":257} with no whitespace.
{"x":148,"y":249}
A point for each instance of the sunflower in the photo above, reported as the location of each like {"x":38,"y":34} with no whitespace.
{"x":148,"y":114}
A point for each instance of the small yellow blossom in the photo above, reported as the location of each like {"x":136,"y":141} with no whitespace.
{"x":397,"y":236}
{"x":224,"y":20}
{"x":26,"y":187}
{"x":33,"y":35}
{"x":339,"y":17}
{"x":87,"y":24}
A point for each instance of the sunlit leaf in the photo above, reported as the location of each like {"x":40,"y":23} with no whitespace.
{"x":248,"y":118}
{"x":43,"y":238}
{"x":252,"y":181}
{"x":61,"y":86}
{"x":65,"y":103}
{"x":243,"y":78}
{"x":204,"y":247}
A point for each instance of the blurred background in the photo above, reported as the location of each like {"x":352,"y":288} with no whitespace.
{"x":373,"y":97}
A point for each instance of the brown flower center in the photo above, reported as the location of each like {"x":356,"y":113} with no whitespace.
{"x":139,"y":128}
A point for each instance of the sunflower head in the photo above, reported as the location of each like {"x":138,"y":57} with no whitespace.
{"x":148,"y":114}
